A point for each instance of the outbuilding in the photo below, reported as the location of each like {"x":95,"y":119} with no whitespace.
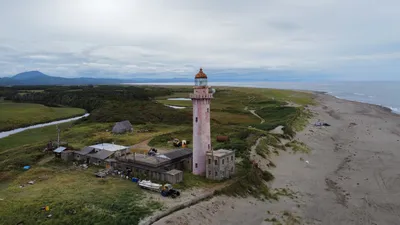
{"x":57,"y":152}
{"x":122,"y":127}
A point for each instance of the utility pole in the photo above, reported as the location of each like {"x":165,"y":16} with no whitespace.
{"x":58,"y":136}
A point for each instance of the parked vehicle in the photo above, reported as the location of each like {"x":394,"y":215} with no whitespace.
{"x":165,"y":190}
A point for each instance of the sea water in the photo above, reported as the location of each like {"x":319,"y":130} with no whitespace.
{"x":384,"y":93}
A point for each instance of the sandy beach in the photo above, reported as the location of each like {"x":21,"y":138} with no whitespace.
{"x":351,"y":176}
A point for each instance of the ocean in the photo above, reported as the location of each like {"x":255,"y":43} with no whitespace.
{"x":383,"y":93}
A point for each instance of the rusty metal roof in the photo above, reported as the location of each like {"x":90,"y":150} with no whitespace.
{"x":200,"y":74}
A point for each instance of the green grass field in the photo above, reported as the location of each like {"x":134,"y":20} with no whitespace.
{"x":15,"y":115}
{"x":74,"y":197}
{"x":26,"y":148}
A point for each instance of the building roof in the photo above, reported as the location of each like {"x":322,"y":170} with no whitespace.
{"x":111,"y":160}
{"x":59,"y":149}
{"x":221,"y":152}
{"x":149,"y":160}
{"x":104,"y":154}
{"x":177,"y":153}
{"x":174,"y":172}
{"x":109,"y":147}
{"x":200,"y":74}
{"x":86,"y":150}
{"x":122,"y":127}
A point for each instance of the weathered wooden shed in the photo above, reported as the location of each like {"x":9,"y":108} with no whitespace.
{"x":67,"y":155}
{"x":174,"y":176}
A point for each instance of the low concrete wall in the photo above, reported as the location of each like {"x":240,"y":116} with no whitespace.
{"x":156,"y":217}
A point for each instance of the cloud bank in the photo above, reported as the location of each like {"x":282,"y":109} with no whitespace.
{"x":355,"y":39}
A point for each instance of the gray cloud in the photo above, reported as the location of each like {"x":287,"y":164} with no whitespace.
{"x":124,"y":37}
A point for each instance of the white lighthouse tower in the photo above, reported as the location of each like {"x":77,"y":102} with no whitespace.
{"x":201,"y":99}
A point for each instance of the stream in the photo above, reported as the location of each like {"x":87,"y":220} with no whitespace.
{"x":10,"y":132}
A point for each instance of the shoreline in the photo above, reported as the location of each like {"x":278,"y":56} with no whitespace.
{"x":386,"y":108}
{"x":349,"y":177}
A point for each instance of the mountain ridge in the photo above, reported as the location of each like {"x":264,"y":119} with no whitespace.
{"x":39,"y":78}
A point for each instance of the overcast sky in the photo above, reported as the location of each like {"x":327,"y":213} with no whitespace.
{"x":350,"y":39}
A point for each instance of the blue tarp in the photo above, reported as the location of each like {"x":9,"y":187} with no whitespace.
{"x":27,"y":167}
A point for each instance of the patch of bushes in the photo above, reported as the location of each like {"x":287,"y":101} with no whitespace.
{"x":298,"y":146}
{"x":250,"y":181}
{"x":139,"y":112}
{"x":262,"y":148}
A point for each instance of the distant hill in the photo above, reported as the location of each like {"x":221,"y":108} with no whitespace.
{"x":39,"y":78}
{"x":237,"y":75}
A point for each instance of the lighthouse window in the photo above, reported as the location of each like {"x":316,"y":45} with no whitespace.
{"x":197,"y":119}
{"x":209,"y":161}
{"x":208,"y":109}
{"x":209,"y":146}
{"x":223,"y":161}
{"x":215,"y":162}
{"x":195,"y":165}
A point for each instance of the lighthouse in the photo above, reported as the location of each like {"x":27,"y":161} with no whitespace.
{"x":201,"y":99}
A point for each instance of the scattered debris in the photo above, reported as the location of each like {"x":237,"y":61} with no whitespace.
{"x":221,"y":138}
{"x":45,"y":208}
{"x":152,"y":152}
{"x":49,"y":216}
{"x":352,"y":125}
{"x":321,"y":124}
{"x":84,"y":166}
{"x":180,"y":143}
{"x":32,"y":182}
{"x":27,"y":167}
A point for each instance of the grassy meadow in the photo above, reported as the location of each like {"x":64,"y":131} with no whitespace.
{"x":15,"y":115}
{"x":74,"y":197}
{"x":77,"y":197}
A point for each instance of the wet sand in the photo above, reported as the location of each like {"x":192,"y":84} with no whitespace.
{"x":351,"y":176}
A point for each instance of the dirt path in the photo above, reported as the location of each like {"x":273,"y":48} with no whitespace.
{"x":255,"y":114}
{"x":142,"y":145}
{"x":46,"y":160}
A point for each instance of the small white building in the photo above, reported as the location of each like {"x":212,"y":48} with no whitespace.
{"x":220,"y":164}
{"x":97,"y":154}
{"x":115,"y":150}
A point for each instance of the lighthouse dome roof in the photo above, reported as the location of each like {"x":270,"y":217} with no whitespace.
{"x":201,"y":74}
